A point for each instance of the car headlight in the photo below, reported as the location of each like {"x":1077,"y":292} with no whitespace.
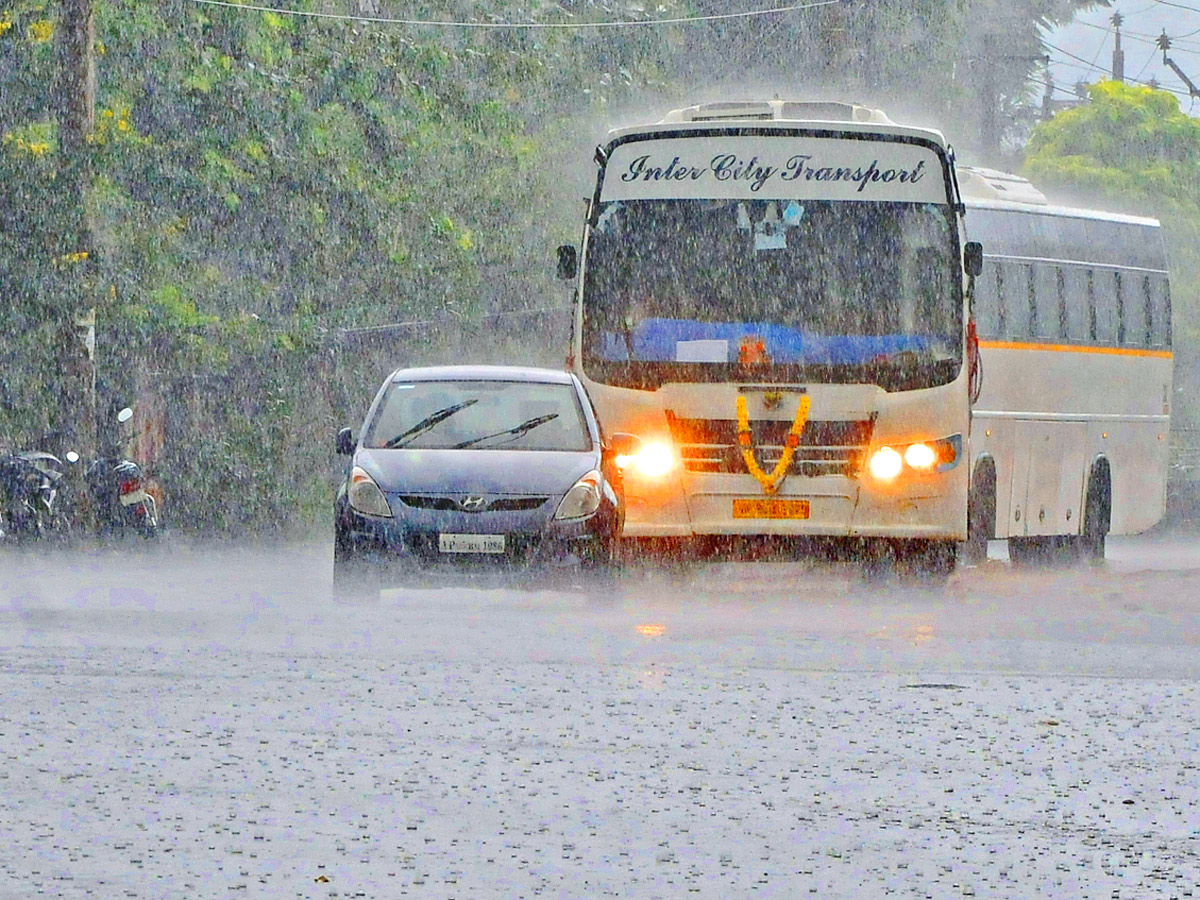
{"x":653,"y":459}
{"x":582,"y":499}
{"x":922,"y":457}
{"x":365,"y":496}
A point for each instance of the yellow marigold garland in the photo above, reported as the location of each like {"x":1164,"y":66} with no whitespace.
{"x":770,"y":483}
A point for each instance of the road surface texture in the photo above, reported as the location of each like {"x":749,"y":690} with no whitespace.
{"x":203,"y":722}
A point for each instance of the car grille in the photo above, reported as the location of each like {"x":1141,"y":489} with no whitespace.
{"x":835,"y":447}
{"x":454,"y":504}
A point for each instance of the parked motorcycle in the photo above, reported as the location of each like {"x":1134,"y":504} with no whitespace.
{"x":117,"y":493}
{"x":33,"y":496}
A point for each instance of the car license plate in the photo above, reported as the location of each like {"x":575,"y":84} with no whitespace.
{"x":471,"y":543}
{"x":770,"y":509}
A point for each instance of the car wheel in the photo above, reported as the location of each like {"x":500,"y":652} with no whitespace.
{"x":599,"y":555}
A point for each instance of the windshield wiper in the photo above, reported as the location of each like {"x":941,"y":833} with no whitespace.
{"x":427,"y":423}
{"x":516,"y":430}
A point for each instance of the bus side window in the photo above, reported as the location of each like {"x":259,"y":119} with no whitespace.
{"x":1134,"y":309}
{"x":1031,"y":328}
{"x":1001,"y":302}
{"x":1015,"y":300}
{"x":1047,"y":291}
{"x":1060,"y":279}
{"x":1120,"y":307}
{"x":1078,"y":303}
{"x":1091,"y":305}
{"x":1148,"y":302}
{"x":1106,"y":306}
{"x":1161,"y":334}
{"x":987,"y":301}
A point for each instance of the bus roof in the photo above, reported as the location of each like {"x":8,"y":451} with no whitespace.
{"x":821,"y":115}
{"x":991,"y":189}
{"x":1032,"y":232}
{"x":1068,"y":212}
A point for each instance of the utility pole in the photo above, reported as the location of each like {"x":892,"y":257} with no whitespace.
{"x":1118,"y":58}
{"x":76,"y":113}
{"x":1164,"y":44}
{"x":989,"y":100}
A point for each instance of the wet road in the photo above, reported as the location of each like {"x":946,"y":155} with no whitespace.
{"x":203,"y":721}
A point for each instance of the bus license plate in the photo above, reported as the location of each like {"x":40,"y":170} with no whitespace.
{"x":770,"y":509}
{"x":471,"y":543}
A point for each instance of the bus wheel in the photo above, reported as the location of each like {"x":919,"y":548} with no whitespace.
{"x":1028,"y":551}
{"x":1048,"y":550}
{"x":1097,"y":515}
{"x":981,"y":515}
{"x":935,"y":559}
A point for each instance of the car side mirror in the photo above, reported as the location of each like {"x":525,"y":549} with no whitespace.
{"x":973,"y":259}
{"x":568,"y":262}
{"x":345,"y":442}
{"x":622,"y":444}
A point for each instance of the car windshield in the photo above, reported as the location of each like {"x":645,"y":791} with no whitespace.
{"x":828,"y":290}
{"x":479,"y":415}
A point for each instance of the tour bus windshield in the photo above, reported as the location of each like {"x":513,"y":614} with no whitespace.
{"x":841,"y":291}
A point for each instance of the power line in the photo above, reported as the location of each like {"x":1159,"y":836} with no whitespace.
{"x":392,"y":328}
{"x":1100,"y":49}
{"x":1150,"y":59}
{"x":1195,"y":9}
{"x":1095,"y":68}
{"x":1054,"y":87}
{"x":632,"y":23}
{"x":1140,"y":37}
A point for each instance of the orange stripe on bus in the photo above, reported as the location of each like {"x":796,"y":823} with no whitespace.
{"x":1075,"y":348}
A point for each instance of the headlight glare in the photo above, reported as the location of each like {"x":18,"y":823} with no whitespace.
{"x":365,"y":496}
{"x":653,"y":460}
{"x":920,"y":457}
{"x":582,"y":499}
{"x":886,"y":464}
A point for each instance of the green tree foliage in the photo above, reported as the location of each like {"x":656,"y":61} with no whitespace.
{"x":1134,"y":149}
{"x":262,"y":181}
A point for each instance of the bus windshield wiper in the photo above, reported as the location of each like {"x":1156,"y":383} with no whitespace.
{"x":515,"y":431}
{"x":427,"y":423}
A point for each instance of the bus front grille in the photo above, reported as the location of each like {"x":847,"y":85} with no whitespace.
{"x":834,"y":447}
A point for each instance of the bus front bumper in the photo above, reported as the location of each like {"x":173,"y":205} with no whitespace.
{"x":931,"y":507}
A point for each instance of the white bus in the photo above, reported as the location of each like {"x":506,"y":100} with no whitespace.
{"x":773,"y":301}
{"x":1070,"y":434}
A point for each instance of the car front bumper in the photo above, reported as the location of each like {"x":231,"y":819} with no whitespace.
{"x":531,"y":537}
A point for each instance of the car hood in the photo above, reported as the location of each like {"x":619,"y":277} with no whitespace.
{"x":476,"y":471}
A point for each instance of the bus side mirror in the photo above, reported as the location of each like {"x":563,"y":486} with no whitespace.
{"x":973,"y":259}
{"x":345,"y":442}
{"x":568,"y":262}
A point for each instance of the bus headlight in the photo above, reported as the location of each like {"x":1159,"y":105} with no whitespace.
{"x":885,"y":464}
{"x":923,"y":457}
{"x":920,"y":457}
{"x":653,"y":459}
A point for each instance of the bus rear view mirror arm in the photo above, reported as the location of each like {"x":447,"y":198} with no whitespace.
{"x":972,"y":258}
